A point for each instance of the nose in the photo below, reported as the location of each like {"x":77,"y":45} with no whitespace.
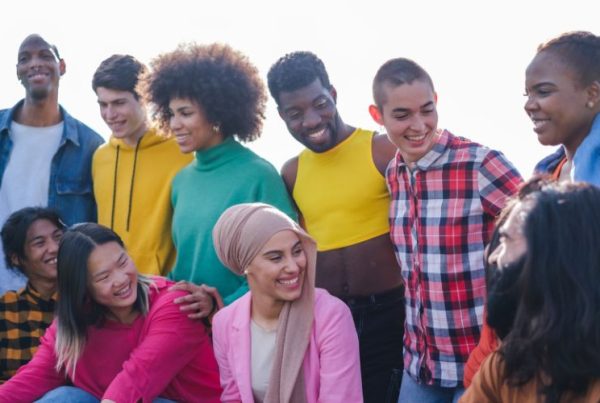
{"x":417,"y":124}
{"x":110,"y":112}
{"x":53,"y":246}
{"x":530,"y":104}
{"x":174,"y":123}
{"x":493,"y":257}
{"x":311,"y":119}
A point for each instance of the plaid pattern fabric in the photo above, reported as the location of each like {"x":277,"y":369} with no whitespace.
{"x":24,"y":316}
{"x":442,"y":216}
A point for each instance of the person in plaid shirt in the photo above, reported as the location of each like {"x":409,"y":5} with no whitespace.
{"x":30,"y":238}
{"x":446,"y":192}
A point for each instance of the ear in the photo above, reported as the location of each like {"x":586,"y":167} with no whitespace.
{"x":14,"y":260}
{"x":62,"y":67}
{"x":376,"y":114}
{"x":333,"y":93}
{"x":593,"y":92}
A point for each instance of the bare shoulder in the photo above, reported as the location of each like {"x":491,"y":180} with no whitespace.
{"x":383,"y":151}
{"x":289,"y":171}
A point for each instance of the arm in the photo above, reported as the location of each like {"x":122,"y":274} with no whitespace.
{"x":486,"y":384}
{"x":340,"y":379}
{"x":498,"y":180}
{"x":38,"y":376}
{"x":383,"y":152}
{"x":221,"y":331}
{"x":170,"y":342}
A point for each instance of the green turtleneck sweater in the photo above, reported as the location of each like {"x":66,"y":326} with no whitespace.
{"x":218,"y":178}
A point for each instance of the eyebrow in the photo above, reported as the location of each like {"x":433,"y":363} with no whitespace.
{"x":425,"y":105}
{"x":279,"y":250}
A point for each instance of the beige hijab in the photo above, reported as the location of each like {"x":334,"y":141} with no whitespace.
{"x":239,"y":235}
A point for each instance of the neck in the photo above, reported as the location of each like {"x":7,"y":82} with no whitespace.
{"x":39,"y":113}
{"x":265,"y":311}
{"x":126,"y":315}
{"x":133,"y":139}
{"x":45,"y":287}
{"x":343,"y":130}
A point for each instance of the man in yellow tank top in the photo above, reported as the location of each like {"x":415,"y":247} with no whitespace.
{"x":338,"y":184}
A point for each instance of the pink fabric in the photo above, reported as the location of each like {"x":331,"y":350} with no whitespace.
{"x":161,"y":354}
{"x":331,"y":364}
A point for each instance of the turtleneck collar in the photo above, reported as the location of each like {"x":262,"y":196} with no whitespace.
{"x":221,"y":154}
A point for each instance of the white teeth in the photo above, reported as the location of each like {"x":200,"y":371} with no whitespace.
{"x":289,"y":282}
{"x":416,"y":138}
{"x":123,"y":291}
{"x":316,"y":134}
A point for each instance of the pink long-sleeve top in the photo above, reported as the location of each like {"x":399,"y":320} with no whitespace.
{"x":331,"y":363}
{"x":160,"y":354}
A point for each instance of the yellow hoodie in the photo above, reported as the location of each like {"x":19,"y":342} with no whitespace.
{"x":132,"y":187}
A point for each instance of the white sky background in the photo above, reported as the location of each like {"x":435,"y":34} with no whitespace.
{"x":475,"y":51}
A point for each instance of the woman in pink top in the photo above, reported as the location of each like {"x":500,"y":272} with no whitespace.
{"x":117,"y":337}
{"x":284,"y":341}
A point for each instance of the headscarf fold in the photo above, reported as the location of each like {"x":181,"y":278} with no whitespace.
{"x":239,"y":235}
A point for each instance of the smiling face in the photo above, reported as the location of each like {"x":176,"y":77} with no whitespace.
{"x":277,"y":273}
{"x":123,"y":113}
{"x":310,"y":114}
{"x":41,"y":249}
{"x":39,"y":68}
{"x":409,"y":114}
{"x":112,"y":280}
{"x":193,"y":132}
{"x":556,"y":102}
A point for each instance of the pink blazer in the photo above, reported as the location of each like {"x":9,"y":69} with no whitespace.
{"x":331,"y":364}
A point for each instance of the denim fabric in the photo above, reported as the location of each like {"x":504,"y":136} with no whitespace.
{"x":71,"y":394}
{"x":379,"y":321}
{"x":413,"y":392}
{"x":586,"y":161}
{"x":70,"y":191}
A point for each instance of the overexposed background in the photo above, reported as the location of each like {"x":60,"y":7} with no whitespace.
{"x":475,"y":51}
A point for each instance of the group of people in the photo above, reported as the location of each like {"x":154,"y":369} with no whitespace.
{"x":174,"y":264}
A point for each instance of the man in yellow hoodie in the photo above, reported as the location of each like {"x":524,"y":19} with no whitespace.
{"x":132,"y":173}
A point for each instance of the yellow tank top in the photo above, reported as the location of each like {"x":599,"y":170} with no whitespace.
{"x":342,"y":196}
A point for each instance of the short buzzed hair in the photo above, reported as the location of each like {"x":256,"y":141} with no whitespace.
{"x":396,"y":72}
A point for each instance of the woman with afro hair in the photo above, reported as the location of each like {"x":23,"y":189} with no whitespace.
{"x":211,"y":98}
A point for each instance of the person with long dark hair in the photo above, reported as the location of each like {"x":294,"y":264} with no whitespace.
{"x":552,"y":352}
{"x":117,"y":335}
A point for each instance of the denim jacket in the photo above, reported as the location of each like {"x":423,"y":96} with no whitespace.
{"x":70,"y":191}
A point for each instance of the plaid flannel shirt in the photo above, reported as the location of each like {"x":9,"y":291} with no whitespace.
{"x":442,"y":215}
{"x":24,"y":316}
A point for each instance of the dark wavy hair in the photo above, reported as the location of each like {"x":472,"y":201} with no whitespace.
{"x":580,"y":50}
{"x":119,"y":72}
{"x":76,"y":309}
{"x":220,"y":79}
{"x":556,"y":332}
{"x":294,"y":71}
{"x":14,"y":231}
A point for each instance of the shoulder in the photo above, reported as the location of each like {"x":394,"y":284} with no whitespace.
{"x":328,"y":306}
{"x":289,"y":172}
{"x":9,"y":297}
{"x":549,"y":163}
{"x":383,"y":151}
{"x":237,"y":310}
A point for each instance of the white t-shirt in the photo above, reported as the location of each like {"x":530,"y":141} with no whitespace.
{"x":26,"y":180}
{"x":261,"y":358}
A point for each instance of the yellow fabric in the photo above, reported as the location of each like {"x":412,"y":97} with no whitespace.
{"x":148,"y":239}
{"x":342,"y":196}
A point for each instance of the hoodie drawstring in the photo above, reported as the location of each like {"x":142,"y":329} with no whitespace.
{"x":112,"y":216}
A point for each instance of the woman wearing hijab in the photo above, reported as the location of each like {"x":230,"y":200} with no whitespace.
{"x":283,"y":341}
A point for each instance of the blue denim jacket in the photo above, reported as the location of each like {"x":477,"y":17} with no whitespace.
{"x":70,"y":191}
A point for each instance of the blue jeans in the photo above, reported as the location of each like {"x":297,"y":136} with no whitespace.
{"x":379,"y":321}
{"x":413,"y":392}
{"x":71,"y":394}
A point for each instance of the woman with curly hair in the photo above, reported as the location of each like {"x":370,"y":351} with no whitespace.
{"x":210,"y":97}
{"x":552,"y":352}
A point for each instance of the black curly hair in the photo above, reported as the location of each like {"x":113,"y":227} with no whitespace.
{"x":220,"y":79}
{"x":294,"y":71}
{"x":580,"y":50}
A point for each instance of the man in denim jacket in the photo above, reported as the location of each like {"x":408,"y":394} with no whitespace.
{"x":45,"y":154}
